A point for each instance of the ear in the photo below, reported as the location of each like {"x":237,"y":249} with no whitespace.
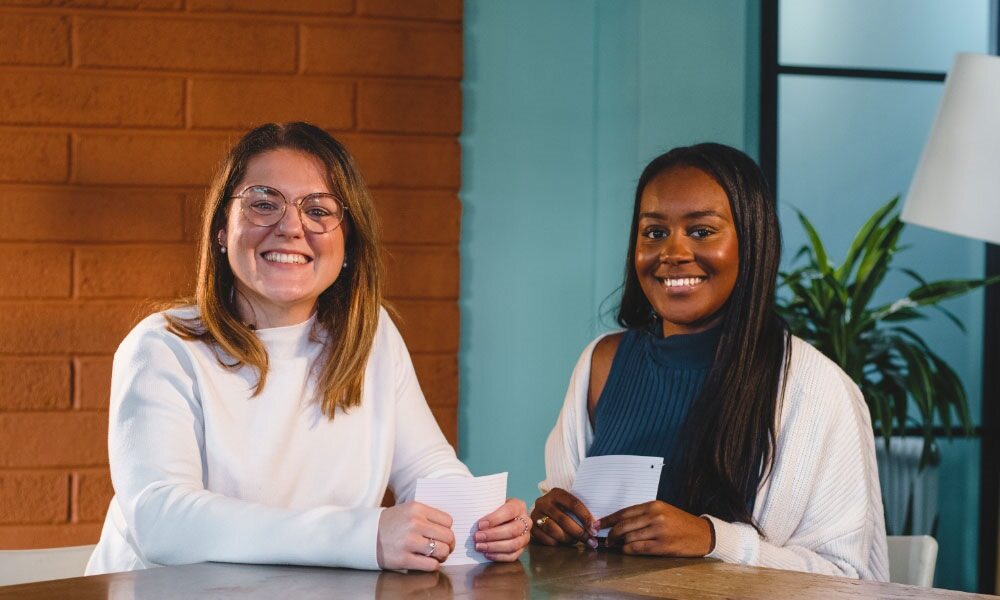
{"x":220,"y":237}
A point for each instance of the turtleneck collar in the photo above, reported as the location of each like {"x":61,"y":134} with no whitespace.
{"x":683,"y":351}
{"x":289,"y":341}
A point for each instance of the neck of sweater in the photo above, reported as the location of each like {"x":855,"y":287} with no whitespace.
{"x":289,"y":341}
{"x":683,"y":351}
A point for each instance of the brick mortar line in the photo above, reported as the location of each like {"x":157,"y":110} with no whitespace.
{"x":72,"y":498}
{"x":73,"y":46}
{"x":41,"y":469}
{"x":174,"y":188}
{"x":177,"y":132}
{"x":127,"y":300}
{"x":7,"y":357}
{"x":230,"y":75}
{"x":187,"y":105}
{"x":179,"y":245}
{"x":280,"y":18}
{"x":75,"y":374}
{"x":300,"y":49}
{"x":90,"y":186}
{"x":66,"y":411}
{"x":86,"y":299}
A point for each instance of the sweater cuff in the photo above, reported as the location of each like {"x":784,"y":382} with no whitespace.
{"x":734,"y":542}
{"x":356,"y":543}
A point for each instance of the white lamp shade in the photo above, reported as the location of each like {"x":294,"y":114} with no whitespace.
{"x":956,"y":187}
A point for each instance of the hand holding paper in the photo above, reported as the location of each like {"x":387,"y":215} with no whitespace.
{"x":606,"y":484}
{"x":467,"y":500}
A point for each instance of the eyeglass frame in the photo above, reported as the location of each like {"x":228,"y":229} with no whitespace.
{"x":298,"y":206}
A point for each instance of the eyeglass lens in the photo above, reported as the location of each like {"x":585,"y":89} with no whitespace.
{"x":265,"y":206}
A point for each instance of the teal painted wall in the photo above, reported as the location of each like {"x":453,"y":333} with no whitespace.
{"x":564,"y":103}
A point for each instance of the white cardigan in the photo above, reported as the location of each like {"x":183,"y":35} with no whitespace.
{"x":820,"y":508}
{"x":203,"y":471}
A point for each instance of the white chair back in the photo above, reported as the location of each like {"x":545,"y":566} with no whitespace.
{"x":912,"y":559}
{"x":26,"y":566}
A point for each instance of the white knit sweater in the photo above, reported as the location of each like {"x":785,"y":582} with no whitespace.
{"x":202,"y":471}
{"x":820,"y":508}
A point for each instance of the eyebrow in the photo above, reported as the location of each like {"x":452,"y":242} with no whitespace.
{"x":691,"y":215}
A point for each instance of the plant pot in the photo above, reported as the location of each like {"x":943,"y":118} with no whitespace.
{"x":909,"y":493}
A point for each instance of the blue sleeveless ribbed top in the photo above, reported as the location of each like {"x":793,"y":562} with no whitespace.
{"x":651,"y":386}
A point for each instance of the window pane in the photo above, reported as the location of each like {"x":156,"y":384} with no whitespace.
{"x":846,"y":146}
{"x":916,"y":35}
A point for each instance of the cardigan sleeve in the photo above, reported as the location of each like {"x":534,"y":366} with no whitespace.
{"x":156,"y":444}
{"x":568,"y":441}
{"x":822,"y":510}
{"x":421,"y":450}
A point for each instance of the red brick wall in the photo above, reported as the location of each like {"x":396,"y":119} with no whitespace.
{"x":113,"y":114}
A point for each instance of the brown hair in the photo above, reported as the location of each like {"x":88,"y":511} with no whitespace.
{"x":347,"y":311}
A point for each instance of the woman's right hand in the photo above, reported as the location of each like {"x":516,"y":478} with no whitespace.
{"x":405,"y":535}
{"x":554,"y":520}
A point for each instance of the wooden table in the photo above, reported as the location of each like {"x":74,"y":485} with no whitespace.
{"x":542,"y":573}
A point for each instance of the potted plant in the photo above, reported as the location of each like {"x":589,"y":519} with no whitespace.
{"x":831,"y":306}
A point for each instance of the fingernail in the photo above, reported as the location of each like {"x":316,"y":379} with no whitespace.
{"x":480,"y":537}
{"x":595,"y":524}
{"x":484,"y":524}
{"x":593,"y":531}
{"x":592,"y":543}
{"x":480,"y":547}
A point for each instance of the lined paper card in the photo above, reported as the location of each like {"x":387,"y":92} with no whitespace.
{"x":607,"y":484}
{"x":467,"y":500}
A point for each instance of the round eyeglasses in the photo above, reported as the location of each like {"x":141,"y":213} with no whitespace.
{"x":265,"y":206}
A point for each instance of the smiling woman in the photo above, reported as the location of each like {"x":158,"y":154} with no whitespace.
{"x":767,"y":445}
{"x":263,"y":420}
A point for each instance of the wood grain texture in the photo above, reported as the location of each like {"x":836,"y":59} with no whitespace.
{"x":542,"y":572}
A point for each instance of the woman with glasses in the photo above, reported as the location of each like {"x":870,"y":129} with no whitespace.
{"x":264,"y":420}
{"x":768,"y":451}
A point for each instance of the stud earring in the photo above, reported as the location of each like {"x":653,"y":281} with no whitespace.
{"x":222,"y":249}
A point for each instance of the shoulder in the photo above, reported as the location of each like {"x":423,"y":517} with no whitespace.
{"x":387,"y":332}
{"x":604,"y":351}
{"x":600,"y":365}
{"x":154,"y":331}
{"x":815,"y":379}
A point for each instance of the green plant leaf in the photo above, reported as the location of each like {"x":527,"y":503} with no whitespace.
{"x":932,"y":293}
{"x":821,"y":261}
{"x":874,"y":265}
{"x":861,"y":240}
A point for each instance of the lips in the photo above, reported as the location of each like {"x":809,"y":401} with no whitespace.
{"x":288,"y":258}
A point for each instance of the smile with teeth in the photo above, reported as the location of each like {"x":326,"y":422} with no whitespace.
{"x":674,"y":282}
{"x":282,"y":257}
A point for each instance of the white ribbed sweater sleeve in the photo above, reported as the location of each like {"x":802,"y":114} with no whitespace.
{"x":157,"y":445}
{"x":820,"y":508}
{"x":155,"y":441}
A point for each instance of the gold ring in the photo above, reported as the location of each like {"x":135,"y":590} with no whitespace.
{"x":541,"y":521}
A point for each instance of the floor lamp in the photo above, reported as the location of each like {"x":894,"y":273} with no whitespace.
{"x":956,"y":188}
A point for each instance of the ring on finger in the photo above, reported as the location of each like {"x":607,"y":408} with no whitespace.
{"x":542,"y":520}
{"x":431,"y":545}
{"x":527,"y":525}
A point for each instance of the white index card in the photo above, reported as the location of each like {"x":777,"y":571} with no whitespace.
{"x":607,"y":484}
{"x":467,"y":500}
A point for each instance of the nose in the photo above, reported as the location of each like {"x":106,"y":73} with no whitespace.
{"x":676,"y":250}
{"x":291,"y":222}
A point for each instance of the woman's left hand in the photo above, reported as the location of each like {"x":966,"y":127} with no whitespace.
{"x":505,"y":532}
{"x":658,"y":528}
